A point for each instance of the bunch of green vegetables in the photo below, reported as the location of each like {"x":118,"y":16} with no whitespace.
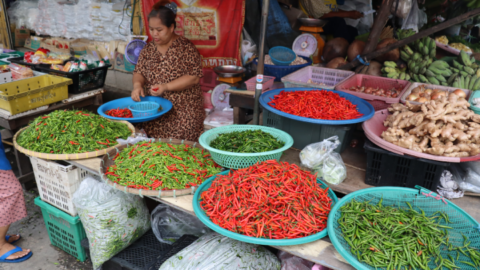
{"x":248,"y":141}
{"x":161,"y":166}
{"x":396,"y":238}
{"x":69,"y":132}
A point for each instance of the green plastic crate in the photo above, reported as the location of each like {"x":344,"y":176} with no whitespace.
{"x":475,"y":94}
{"x":304,"y":133}
{"x":65,"y":232}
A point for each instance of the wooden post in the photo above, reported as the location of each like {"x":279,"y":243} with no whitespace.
{"x":378,"y":26}
{"x":403,"y":42}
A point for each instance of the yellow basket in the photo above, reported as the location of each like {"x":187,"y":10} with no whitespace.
{"x":28,"y":94}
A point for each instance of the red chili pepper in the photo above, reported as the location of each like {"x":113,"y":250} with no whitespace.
{"x":45,"y":117}
{"x":102,"y":126}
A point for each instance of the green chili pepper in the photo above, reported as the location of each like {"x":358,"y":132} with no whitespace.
{"x":248,"y":141}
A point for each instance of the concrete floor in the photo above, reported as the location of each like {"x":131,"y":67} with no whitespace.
{"x":35,"y":237}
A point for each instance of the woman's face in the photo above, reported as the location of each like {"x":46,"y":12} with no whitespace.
{"x":161,"y":34}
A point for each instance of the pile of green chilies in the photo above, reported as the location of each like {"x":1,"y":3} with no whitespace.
{"x":393,"y":238}
{"x":156,"y":165}
{"x":70,"y":132}
{"x":248,"y":141}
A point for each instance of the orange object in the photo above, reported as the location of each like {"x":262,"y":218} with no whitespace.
{"x":229,"y":80}
{"x":315,"y":31}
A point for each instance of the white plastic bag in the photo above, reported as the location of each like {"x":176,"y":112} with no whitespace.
{"x":169,"y":224}
{"x":321,"y":159}
{"x":216,"y":252}
{"x":219,"y":118}
{"x":292,"y":262}
{"x":403,"y":9}
{"x":112,"y":219}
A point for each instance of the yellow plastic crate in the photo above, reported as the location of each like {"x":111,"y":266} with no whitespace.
{"x":28,"y":94}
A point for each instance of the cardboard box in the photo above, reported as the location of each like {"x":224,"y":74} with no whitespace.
{"x":33,"y":42}
{"x":21,"y":36}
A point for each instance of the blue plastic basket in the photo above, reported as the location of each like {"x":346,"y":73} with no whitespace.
{"x":363,"y":107}
{"x":282,"y":56}
{"x":248,"y":239}
{"x":462,"y":223}
{"x":123,"y":103}
{"x":281,"y":71}
{"x":144,"y":108}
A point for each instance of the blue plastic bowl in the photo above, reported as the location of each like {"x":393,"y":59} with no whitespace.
{"x":144,"y":108}
{"x":281,"y":71}
{"x":282,"y":56}
{"x":249,"y":239}
{"x":123,"y":103}
{"x":363,"y":107}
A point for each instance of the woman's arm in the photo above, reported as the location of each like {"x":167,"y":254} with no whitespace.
{"x":138,"y":84}
{"x":182,"y":83}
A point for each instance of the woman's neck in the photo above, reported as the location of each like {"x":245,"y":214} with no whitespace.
{"x":163,"y":48}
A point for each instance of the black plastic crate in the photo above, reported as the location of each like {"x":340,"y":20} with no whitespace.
{"x":304,"y":133}
{"x":385,"y":168}
{"x":138,"y":256}
{"x":20,"y":61}
{"x":83,"y":81}
{"x":180,"y":244}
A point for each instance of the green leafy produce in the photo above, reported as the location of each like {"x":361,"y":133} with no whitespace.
{"x":155,"y":166}
{"x":248,"y":141}
{"x":403,"y":238}
{"x":69,"y":132}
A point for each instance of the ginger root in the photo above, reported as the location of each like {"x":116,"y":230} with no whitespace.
{"x":443,"y":127}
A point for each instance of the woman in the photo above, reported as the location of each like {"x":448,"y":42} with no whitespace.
{"x":12,"y":208}
{"x":170,"y":66}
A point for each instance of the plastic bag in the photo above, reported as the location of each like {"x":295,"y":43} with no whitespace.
{"x":403,"y":9}
{"x":112,"y":219}
{"x":169,"y":224}
{"x":218,"y":118}
{"x":292,"y":262}
{"x":321,"y":159}
{"x":215,"y":252}
{"x":133,"y":140}
{"x":449,"y":187}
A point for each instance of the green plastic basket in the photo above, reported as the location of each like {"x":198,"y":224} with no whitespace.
{"x":248,"y":239}
{"x":65,"y":232}
{"x":475,"y":94}
{"x":463,"y":223}
{"x":243,"y":160}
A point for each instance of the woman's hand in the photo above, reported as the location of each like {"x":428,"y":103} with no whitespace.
{"x":137,"y":93}
{"x":158,"y":90}
{"x":355,"y":15}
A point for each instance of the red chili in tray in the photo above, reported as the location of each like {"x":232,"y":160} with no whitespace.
{"x":274,"y":200}
{"x":316,"y":104}
{"x":123,"y":113}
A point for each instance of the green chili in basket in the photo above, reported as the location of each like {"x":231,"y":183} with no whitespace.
{"x":387,"y":237}
{"x":248,"y":141}
{"x":161,"y":166}
{"x":71,"y":131}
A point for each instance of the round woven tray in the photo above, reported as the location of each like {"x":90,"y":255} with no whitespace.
{"x":107,"y":161}
{"x":66,"y":156}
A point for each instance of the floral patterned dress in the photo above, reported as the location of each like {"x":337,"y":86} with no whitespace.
{"x":185,"y":120}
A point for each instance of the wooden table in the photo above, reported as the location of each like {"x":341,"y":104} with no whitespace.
{"x":321,"y":251}
{"x":15,"y":122}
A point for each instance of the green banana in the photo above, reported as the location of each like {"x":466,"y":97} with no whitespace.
{"x":476,"y":86}
{"x":423,"y":78}
{"x":456,"y":82}
{"x":416,"y":69}
{"x":416,"y":77}
{"x":407,"y":77}
{"x":423,"y":70}
{"x":440,"y":78}
{"x":463,"y":73}
{"x":467,"y":81}
{"x":390,"y":64}
{"x":420,"y":46}
{"x":472,"y":82}
{"x":429,"y":73}
{"x":392,"y":75}
{"x":469,"y":70}
{"x":390,"y":70}
{"x":402,"y":76}
{"x":456,"y":70}
{"x":465,"y":58}
{"x":444,"y":84}
{"x":456,"y":64}
{"x":433,"y":80}
{"x":447,"y":73}
{"x":416,"y":56}
{"x":425,"y":51}
{"x":411,"y":64}
{"x":451,"y":79}
{"x":462,"y":82}
{"x":404,"y":56}
{"x":408,"y":50}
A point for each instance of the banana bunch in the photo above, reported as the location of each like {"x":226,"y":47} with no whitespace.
{"x":391,"y":70}
{"x":472,"y":4}
{"x":403,"y":34}
{"x":437,"y":73}
{"x":420,"y":59}
{"x":466,"y":73}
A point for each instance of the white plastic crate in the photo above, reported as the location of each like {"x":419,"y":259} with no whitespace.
{"x":57,"y":183}
{"x":316,"y":77}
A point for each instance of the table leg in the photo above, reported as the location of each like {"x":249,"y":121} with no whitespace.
{"x":25,"y":169}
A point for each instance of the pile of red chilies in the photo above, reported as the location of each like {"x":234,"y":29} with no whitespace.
{"x":274,"y":200}
{"x":123,"y":113}
{"x":316,"y":104}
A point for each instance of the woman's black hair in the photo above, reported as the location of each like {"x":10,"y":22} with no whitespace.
{"x":165,"y":14}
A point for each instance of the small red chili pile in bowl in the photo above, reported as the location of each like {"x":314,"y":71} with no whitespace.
{"x":274,"y":200}
{"x":316,"y":104}
{"x":123,"y":113}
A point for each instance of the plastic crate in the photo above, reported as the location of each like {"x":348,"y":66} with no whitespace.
{"x":138,"y":256}
{"x":82,"y":81}
{"x":429,"y":86}
{"x":5,"y":77}
{"x":324,"y":78}
{"x":475,"y":94}
{"x":385,"y":168}
{"x":281,"y":71}
{"x":19,"y":60}
{"x":378,"y":103}
{"x":267,"y":83}
{"x":65,"y":232}
{"x":28,"y":94}
{"x":180,"y":244}
{"x":57,"y":183}
{"x":304,"y":133}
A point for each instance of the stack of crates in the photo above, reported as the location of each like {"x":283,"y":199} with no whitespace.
{"x":56,"y":184}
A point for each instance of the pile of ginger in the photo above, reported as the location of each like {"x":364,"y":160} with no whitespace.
{"x":442,"y":127}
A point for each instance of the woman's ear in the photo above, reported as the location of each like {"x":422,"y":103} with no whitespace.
{"x":172,"y":28}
